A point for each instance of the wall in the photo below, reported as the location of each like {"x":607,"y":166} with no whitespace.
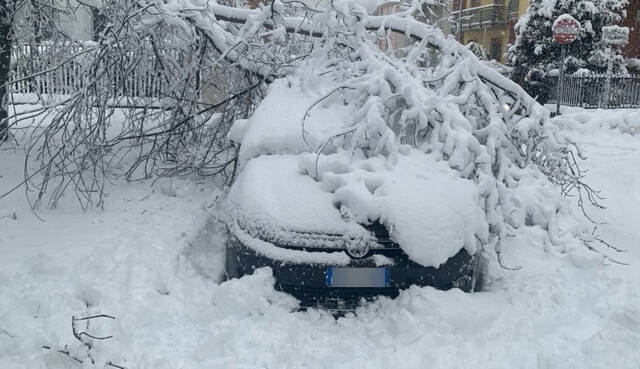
{"x":505,"y":33}
{"x":78,"y":23}
{"x":484,"y":37}
{"x":632,"y":50}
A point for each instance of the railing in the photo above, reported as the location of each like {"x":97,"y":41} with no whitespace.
{"x":589,"y":91}
{"x":482,"y":16}
{"x":512,"y":9}
{"x":64,"y":75}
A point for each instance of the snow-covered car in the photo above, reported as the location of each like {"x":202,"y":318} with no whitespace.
{"x":336,"y":229}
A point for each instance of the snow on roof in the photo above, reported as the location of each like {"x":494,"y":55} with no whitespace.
{"x":276,"y":127}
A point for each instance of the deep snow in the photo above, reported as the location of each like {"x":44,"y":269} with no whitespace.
{"x":153,"y":259}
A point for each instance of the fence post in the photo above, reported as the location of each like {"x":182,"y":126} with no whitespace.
{"x":560,"y":79}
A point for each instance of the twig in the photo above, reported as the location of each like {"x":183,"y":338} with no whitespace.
{"x":78,"y":335}
{"x":313,"y":105}
{"x":109,"y":363}
{"x":96,"y":316}
{"x":64,"y":351}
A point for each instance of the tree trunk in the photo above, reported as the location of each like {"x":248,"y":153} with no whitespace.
{"x":6,"y":17}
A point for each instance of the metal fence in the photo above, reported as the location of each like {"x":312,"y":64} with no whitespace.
{"x":589,"y":91}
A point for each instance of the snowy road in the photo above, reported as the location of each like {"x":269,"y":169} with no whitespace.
{"x":153,"y":261}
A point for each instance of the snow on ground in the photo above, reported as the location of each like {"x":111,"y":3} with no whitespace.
{"x":611,"y":142}
{"x":153,"y":260}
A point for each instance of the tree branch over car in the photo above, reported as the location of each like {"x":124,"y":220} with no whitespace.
{"x":216,"y":61}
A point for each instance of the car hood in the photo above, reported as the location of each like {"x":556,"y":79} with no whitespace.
{"x":431,"y":212}
{"x":274,"y":200}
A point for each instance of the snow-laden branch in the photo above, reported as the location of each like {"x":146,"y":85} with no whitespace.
{"x":434,"y":96}
{"x":438,"y":98}
{"x":321,"y":26}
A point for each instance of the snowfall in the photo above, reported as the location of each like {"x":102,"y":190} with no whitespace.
{"x":153,"y":260}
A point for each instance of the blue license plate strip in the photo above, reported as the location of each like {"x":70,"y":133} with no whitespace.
{"x":357,"y":277}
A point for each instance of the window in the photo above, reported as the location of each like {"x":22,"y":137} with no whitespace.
{"x":513,"y":8}
{"x":495,"y":48}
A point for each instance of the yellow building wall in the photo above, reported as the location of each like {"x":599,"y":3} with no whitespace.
{"x":522,"y":7}
{"x":483,"y":36}
{"x":522,"y":4}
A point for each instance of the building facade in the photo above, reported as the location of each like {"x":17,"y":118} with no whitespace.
{"x":489,"y":23}
{"x":632,"y":50}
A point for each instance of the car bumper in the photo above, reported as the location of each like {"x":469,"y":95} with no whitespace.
{"x":308,"y":282}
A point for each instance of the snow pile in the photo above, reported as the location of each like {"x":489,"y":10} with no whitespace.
{"x":431,"y":212}
{"x":271,"y":189}
{"x":289,"y":121}
{"x":623,"y":120}
{"x":271,"y":200}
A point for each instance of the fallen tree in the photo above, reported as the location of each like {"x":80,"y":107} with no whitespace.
{"x":436,"y":97}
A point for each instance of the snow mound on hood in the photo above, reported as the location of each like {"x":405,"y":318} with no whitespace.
{"x":273,"y":200}
{"x":431,"y":212}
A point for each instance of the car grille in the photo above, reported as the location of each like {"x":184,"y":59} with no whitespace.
{"x":387,"y":246}
{"x":381,"y":234}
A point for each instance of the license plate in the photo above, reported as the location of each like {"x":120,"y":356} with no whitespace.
{"x":357,"y":277}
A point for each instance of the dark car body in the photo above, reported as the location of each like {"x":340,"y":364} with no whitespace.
{"x":340,"y":226}
{"x":310,"y":283}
